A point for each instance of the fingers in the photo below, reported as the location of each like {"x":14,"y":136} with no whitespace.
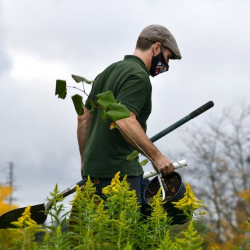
{"x":168,"y":169}
{"x":165,"y":166}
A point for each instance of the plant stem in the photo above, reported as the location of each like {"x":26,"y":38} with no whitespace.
{"x":144,"y":153}
{"x":75,"y":88}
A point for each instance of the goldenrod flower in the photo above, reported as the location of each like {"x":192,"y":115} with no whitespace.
{"x":114,"y":187}
{"x":79,"y":194}
{"x":84,"y":194}
{"x":158,"y":212}
{"x":188,"y":203}
{"x":26,"y":221}
{"x":26,"y":229}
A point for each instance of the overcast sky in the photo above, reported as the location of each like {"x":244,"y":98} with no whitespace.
{"x":41,"y":41}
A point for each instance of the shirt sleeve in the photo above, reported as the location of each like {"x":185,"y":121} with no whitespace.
{"x":133,"y":93}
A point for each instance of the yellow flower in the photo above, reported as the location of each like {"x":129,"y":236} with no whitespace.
{"x":120,"y":190}
{"x":84,"y":193}
{"x":79,"y":195}
{"x":26,"y":227}
{"x":114,"y":187}
{"x":26,"y":222}
{"x":5,"y":191}
{"x":158,"y":212}
{"x":188,"y":203}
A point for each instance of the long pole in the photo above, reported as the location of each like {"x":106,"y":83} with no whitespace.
{"x":182,"y":121}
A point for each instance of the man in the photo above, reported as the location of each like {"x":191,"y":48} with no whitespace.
{"x":104,"y":151}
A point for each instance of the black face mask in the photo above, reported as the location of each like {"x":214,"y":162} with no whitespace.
{"x":158,"y":65}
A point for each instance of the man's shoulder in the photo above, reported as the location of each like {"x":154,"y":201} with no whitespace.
{"x":134,"y":67}
{"x":126,"y":69}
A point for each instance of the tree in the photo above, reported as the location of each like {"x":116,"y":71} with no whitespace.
{"x":5,"y":235}
{"x":220,"y":173}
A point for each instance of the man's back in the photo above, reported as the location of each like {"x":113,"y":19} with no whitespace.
{"x":106,"y":150}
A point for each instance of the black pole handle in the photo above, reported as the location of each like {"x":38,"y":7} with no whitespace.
{"x":72,"y":189}
{"x":201,"y":109}
{"x":182,"y":121}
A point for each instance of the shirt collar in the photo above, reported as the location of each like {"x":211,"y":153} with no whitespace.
{"x":138,"y":60}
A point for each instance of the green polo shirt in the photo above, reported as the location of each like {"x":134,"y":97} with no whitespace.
{"x":106,"y":150}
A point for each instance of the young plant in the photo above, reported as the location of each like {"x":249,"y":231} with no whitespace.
{"x":123,"y":208}
{"x":191,"y":239}
{"x":167,"y":243}
{"x":56,"y":239}
{"x":109,"y":108}
{"x":88,"y":218}
{"x":189,"y":204}
{"x":26,"y":230}
{"x":159,"y":222}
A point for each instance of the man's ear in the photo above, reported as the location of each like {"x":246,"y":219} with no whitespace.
{"x":156,"y":48}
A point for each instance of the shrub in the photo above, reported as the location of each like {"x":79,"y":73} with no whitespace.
{"x":111,"y":223}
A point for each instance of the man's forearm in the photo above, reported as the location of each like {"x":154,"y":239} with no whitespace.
{"x":82,"y":132}
{"x":132,"y":127}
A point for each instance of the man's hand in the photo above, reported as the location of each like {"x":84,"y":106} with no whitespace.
{"x":163,"y":164}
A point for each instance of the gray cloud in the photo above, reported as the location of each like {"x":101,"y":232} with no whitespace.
{"x":52,"y":39}
{"x":4,"y":60}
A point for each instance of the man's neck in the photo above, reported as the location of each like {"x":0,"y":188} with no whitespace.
{"x":145,"y":56}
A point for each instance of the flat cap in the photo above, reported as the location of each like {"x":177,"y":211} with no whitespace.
{"x":158,"y":33}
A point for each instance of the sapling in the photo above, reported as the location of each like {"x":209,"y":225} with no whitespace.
{"x":110,"y":109}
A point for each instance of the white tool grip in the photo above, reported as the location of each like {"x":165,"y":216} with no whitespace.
{"x":178,"y":164}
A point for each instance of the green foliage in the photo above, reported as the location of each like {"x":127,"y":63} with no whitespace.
{"x":104,"y":223}
{"x":81,"y":79}
{"x":57,"y":239}
{"x":144,"y":162}
{"x":61,"y":89}
{"x":167,"y":243}
{"x":132,"y":156}
{"x":118,"y":112}
{"x":105,"y":99}
{"x":104,"y":115}
{"x":191,"y":239}
{"x":92,"y":107}
{"x":77,"y":100}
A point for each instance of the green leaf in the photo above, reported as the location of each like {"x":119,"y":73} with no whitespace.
{"x":118,"y":112}
{"x":104,"y":115}
{"x":144,"y":162}
{"x":61,"y":89}
{"x":105,"y":99}
{"x":132,"y":156}
{"x":81,"y":79}
{"x":77,"y":100}
{"x":92,"y":107}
